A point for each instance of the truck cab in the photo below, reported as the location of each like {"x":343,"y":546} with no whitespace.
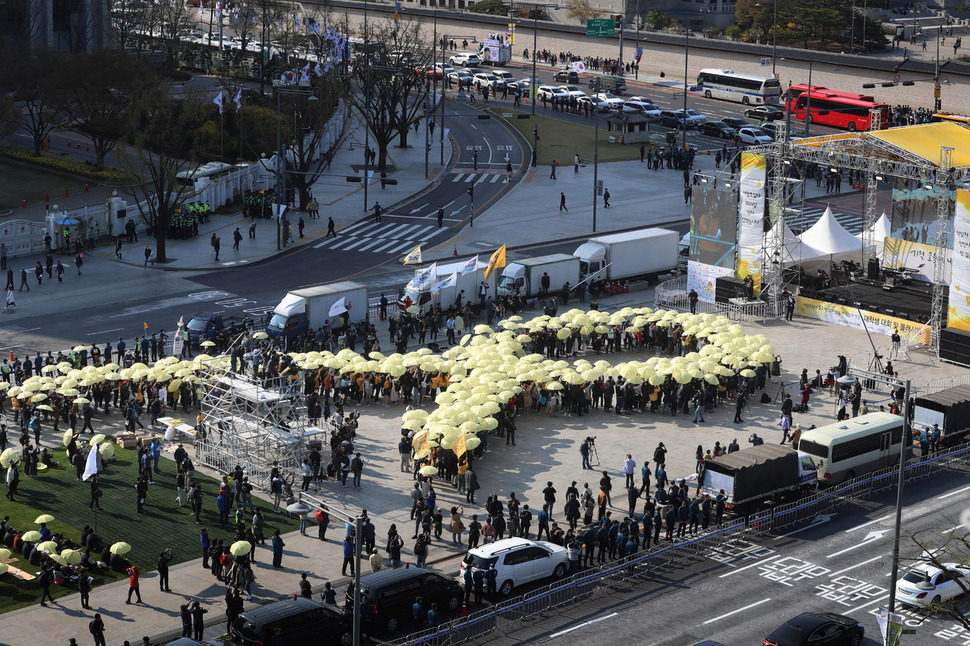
{"x":203,"y":325}
{"x":592,"y":258}
{"x":513,"y":278}
{"x":289,"y":318}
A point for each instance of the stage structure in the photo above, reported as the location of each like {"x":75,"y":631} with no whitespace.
{"x":254,"y":423}
{"x":933,"y":156}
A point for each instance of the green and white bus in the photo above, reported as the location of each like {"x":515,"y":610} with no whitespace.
{"x":853,"y":447}
{"x":743,"y":88}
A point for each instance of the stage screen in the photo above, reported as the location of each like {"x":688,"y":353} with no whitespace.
{"x":915,"y":213}
{"x":714,"y":224}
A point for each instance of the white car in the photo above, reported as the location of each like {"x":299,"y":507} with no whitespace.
{"x":925,"y":584}
{"x":572,"y":90}
{"x":489,"y":80}
{"x":753,"y":136}
{"x":551,"y":93}
{"x":637,"y":104}
{"x":464,"y":58}
{"x":694,"y":117}
{"x":441,"y":68}
{"x":612,"y":101}
{"x":517,"y":561}
{"x":505,"y":75}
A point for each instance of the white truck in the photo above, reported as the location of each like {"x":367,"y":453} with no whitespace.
{"x":526,"y":274}
{"x":420,"y":292}
{"x":494,"y":52}
{"x":640,"y":254}
{"x":310,"y":308}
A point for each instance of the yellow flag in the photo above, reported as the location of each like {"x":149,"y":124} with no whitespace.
{"x":459,"y":446}
{"x":420,"y":442}
{"x":497,"y":260}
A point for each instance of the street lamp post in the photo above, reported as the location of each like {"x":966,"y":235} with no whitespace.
{"x":366,"y":110}
{"x":535,"y":55}
{"x":596,"y":151}
{"x":774,"y":38}
{"x":686,"y":79}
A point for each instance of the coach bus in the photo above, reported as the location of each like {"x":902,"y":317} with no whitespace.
{"x":855,"y":446}
{"x":743,"y":88}
{"x":839,"y":109}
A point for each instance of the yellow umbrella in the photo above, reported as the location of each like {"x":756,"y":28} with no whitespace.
{"x":72,"y":557}
{"x":4,"y":553}
{"x":472,"y":443}
{"x":204,"y":344}
{"x":39,"y":397}
{"x":9,"y":455}
{"x":58,"y":558}
{"x":33,"y":536}
{"x":553,"y":385}
{"x":423,"y":454}
{"x":68,"y":435}
{"x":43,"y":518}
{"x":748,"y":373}
{"x":98,"y":439}
{"x":428,"y":470}
{"x":47,"y":546}
{"x":120,"y":548}
{"x":45,"y":407}
{"x":82,"y":400}
{"x":3,"y":568}
{"x":107,"y":451}
{"x":260,"y":336}
{"x":69,"y":392}
{"x":241,"y":548}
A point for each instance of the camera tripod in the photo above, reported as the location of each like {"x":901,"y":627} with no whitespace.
{"x":594,"y":456}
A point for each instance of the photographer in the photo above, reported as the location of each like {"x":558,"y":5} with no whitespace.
{"x":584,"y":449}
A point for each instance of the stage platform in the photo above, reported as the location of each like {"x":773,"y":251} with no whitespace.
{"x":912,"y":302}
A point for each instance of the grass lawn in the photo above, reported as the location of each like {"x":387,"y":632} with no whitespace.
{"x":560,"y":140}
{"x":57,"y":492}
{"x":19,"y":182}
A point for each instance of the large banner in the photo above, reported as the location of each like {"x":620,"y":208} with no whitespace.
{"x":751,"y":227}
{"x":850,"y":317}
{"x":918,"y":256}
{"x":701,"y":278}
{"x":959,"y":308}
{"x":714,"y":225}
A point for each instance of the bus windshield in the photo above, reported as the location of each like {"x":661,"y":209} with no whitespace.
{"x":814,"y":448}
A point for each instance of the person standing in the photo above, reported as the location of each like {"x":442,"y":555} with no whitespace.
{"x":236,"y":239}
{"x":216,"y":244}
{"x":96,"y":627}
{"x":629,"y":469}
{"x":206,"y":544}
{"x":378,"y":210}
{"x":349,"y":553}
{"x":606,"y":198}
{"x":692,"y":298}
{"x":508,"y":172}
{"x":278,"y":546}
{"x":78,"y":261}
{"x":356,"y":467}
{"x":133,"y":588}
{"x":23,"y":280}
{"x":163,"y":559}
{"x":576,"y":163}
{"x":562,"y":202}
{"x":471,"y":485}
{"x":441,"y":217}
{"x":198,"y":620}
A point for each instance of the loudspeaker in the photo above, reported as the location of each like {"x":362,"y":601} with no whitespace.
{"x":872,"y":271}
{"x":955,"y":346}
{"x":727,"y":287}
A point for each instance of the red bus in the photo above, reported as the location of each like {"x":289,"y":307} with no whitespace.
{"x":834,"y":108}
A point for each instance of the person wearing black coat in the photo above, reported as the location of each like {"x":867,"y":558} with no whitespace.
{"x":198,"y":620}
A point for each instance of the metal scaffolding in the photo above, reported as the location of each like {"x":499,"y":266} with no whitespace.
{"x":945,"y":179}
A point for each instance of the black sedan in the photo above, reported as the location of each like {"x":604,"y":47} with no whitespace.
{"x":765,"y":112}
{"x":736,"y":122}
{"x":817,"y":629}
{"x":716,"y":129}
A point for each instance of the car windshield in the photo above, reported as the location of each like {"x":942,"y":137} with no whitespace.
{"x":278,"y":321}
{"x":197,"y":325}
{"x":914,"y":576}
{"x":758,"y":133}
{"x":479,"y":562}
{"x":607,"y":95}
{"x":693,"y":113}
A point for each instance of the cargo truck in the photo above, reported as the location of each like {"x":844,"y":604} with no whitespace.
{"x":422,"y":293}
{"x":494,"y":52}
{"x":526,"y":274}
{"x":311,"y":308}
{"x":950,"y":409}
{"x":641,"y":254}
{"x":752,"y":476}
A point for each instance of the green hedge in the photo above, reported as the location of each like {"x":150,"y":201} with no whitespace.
{"x":108,"y":176}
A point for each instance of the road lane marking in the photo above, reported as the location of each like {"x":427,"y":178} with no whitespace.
{"x":871,"y":522}
{"x":871,"y":537}
{"x":734,"y":612}
{"x":114,"y":329}
{"x":954,"y":493}
{"x":741,"y":569}
{"x":868,"y":603}
{"x":852,"y":567}
{"x":582,"y":625}
{"x":819,"y":520}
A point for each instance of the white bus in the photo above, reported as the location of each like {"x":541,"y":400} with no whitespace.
{"x":850,"y":448}
{"x":743,"y":88}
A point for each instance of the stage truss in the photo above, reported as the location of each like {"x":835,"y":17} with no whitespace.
{"x":877,"y":160}
{"x":253,"y":422}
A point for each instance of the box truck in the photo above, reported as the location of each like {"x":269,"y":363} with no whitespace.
{"x":751,"y":476}
{"x":526,"y":274}
{"x":950,"y":409}
{"x":494,"y":52}
{"x":310,"y":308}
{"x":421,"y":292}
{"x":641,"y":254}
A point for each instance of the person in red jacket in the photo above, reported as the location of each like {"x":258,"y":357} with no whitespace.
{"x":132,"y":573}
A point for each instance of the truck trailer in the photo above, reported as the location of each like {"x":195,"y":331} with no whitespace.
{"x":752,"y":476}
{"x":526,"y":274}
{"x":641,"y":254}
{"x":310,"y":308}
{"x":950,"y":409}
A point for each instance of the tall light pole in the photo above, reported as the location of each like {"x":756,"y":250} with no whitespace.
{"x":686,"y":79}
{"x":596,"y":151}
{"x":535,"y":55}
{"x":774,"y":38}
{"x":808,"y":100}
{"x":366,"y":109}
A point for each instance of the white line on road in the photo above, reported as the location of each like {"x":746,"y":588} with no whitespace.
{"x":741,"y":569}
{"x":852,"y":567}
{"x":869,"y":603}
{"x":114,"y":329}
{"x":734,"y":612}
{"x":952,"y":529}
{"x":871,"y":537}
{"x":582,"y":625}
{"x":871,"y":522}
{"x":31,"y":329}
{"x":954,"y":493}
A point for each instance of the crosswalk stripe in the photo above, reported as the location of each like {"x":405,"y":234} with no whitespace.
{"x":401,"y":248}
{"x":340,"y":242}
{"x":352,"y":227}
{"x":356,"y":244}
{"x":469,"y":178}
{"x":392,"y":232}
{"x":494,"y":179}
{"x":369,"y":227}
{"x":384,"y":246}
{"x":375,"y":241}
{"x":482,"y":179}
{"x":458,"y":177}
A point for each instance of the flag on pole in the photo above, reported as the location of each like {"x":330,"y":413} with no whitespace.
{"x":639,"y":54}
{"x":470,"y":266}
{"x":450,"y":281}
{"x":146,"y":325}
{"x":429,"y":275}
{"x":238,"y":100}
{"x":339,"y":307}
{"x":218,"y":102}
{"x":497,"y":260}
{"x":91,"y":466}
{"x":578,"y":67}
{"x":282,"y":208}
{"x":458,"y":447}
{"x":413,"y":258}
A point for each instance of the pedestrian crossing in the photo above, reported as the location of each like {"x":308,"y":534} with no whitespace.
{"x":390,"y":237}
{"x":802,"y":220}
{"x":478,"y":177}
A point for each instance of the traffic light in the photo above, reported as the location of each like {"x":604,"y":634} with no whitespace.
{"x":471,"y":193}
{"x":617,"y":21}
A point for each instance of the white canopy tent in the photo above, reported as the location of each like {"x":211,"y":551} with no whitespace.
{"x":798,"y":252}
{"x":831,"y":239}
{"x":882,"y":229}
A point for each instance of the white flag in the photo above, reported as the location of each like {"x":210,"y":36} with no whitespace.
{"x":429,"y":275}
{"x":238,"y":100}
{"x":578,"y":67}
{"x":470,"y":266}
{"x":218,"y":102}
{"x":92,"y":464}
{"x":447,"y":282}
{"x":339,"y":307}
{"x":413,"y":258}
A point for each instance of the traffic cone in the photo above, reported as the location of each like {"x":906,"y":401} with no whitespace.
{"x":67,"y":192}
{"x":24,"y":205}
{"x":464,"y":609}
{"x":456,"y":251}
{"x":85,"y":188}
{"x":47,"y":197}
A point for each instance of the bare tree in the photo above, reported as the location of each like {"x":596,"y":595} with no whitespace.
{"x":946,"y":551}
{"x":38,"y":85}
{"x":581,"y":11}
{"x":20,"y":27}
{"x":125,"y":22}
{"x":169,"y":21}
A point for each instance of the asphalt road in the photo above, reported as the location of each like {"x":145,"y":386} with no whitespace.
{"x":737,"y":595}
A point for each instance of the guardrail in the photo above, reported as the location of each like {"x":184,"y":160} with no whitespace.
{"x":581,"y":586}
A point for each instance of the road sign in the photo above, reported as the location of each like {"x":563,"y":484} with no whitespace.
{"x":936,"y":91}
{"x":765,"y":62}
{"x":600,"y":27}
{"x":896,"y":79}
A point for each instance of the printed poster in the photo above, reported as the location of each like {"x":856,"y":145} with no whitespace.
{"x":751,"y":222}
{"x":915,"y":255}
{"x":850,"y":317}
{"x":959,"y":308}
{"x":702,"y":279}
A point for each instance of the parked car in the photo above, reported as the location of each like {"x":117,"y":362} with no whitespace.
{"x":505,"y":75}
{"x":765,"y":112}
{"x":925,"y":584}
{"x":644,"y":107}
{"x":612,"y":101}
{"x":736,"y":122}
{"x":456,"y":78}
{"x":567,"y":76}
{"x":716,"y":129}
{"x":694,"y":117}
{"x":489,"y":80}
{"x":447,"y":69}
{"x":590,"y":103}
{"x":821,"y":629}
{"x":753,"y":136}
{"x":393,"y":591}
{"x":572,"y":90}
{"x":302,"y":621}
{"x":551,"y":93}
{"x":517,"y":561}
{"x":464,"y":58}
